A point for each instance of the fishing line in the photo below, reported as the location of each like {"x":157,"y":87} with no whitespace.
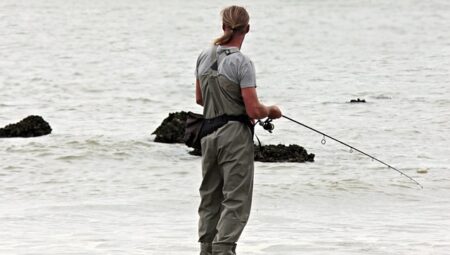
{"x":352,"y":149}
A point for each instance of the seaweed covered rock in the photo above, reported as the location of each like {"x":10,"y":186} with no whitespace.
{"x":282,"y":153}
{"x":277,"y":153}
{"x":31,"y":126}
{"x":172,"y":128}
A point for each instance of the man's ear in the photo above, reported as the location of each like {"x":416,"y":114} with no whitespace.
{"x":223,"y":27}
{"x":247,"y":29}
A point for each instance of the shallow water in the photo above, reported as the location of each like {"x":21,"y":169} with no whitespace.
{"x":105,"y":73}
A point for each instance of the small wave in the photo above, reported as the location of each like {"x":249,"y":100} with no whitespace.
{"x":181,"y":173}
{"x":382,"y":97}
{"x":403,"y":185}
{"x":442,"y":101}
{"x":71,"y":157}
{"x":44,"y":154}
{"x":121,"y":155}
{"x":283,"y":248}
{"x":11,"y":168}
{"x":92,"y":142}
{"x":423,"y":156}
{"x":331,"y":103}
{"x":141,"y":99}
{"x":92,"y":90}
{"x":36,"y":79}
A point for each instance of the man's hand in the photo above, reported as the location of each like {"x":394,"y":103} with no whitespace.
{"x":274,"y":112}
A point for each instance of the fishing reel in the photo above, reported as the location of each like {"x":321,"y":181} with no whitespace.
{"x":267,"y":125}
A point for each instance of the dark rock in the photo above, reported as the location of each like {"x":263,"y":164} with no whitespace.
{"x":282,"y":153}
{"x":171,"y":129}
{"x":277,"y":153}
{"x":31,"y":126}
{"x":357,"y":100}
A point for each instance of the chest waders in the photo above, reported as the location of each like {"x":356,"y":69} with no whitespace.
{"x":227,"y":164}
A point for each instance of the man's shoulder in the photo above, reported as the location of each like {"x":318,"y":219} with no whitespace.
{"x":235,"y":55}
{"x":204,"y":53}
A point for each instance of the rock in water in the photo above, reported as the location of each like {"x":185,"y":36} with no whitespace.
{"x":31,"y":126}
{"x":358,"y":100}
{"x":172,"y":128}
{"x":277,"y":153}
{"x":282,"y":153}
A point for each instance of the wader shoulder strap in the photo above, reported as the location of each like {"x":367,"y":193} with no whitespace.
{"x":214,"y":65}
{"x":214,"y":59}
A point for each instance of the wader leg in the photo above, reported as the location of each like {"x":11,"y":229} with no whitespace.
{"x":210,"y":192}
{"x":205,"y":249}
{"x":224,"y":249}
{"x":235,"y":158}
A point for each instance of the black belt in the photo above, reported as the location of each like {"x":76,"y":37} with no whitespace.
{"x":211,"y":125}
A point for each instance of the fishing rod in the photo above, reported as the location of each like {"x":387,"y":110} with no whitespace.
{"x":267,"y":125}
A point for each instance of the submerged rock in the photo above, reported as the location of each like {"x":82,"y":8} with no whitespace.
{"x":172,"y":128}
{"x":31,"y":126}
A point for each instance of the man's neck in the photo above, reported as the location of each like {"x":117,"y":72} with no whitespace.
{"x":235,"y":42}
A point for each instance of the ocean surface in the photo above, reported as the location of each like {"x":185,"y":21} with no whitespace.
{"x":104,"y":74}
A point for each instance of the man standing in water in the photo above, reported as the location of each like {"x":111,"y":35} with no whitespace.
{"x":226,"y":88}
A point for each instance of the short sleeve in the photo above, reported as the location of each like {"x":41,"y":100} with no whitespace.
{"x":196,"y":67}
{"x":247,"y":74}
{"x":199,"y":67}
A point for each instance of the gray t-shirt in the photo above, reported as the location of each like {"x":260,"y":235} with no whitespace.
{"x":237,"y":67}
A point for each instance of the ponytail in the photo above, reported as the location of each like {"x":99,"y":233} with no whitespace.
{"x":225,"y":38}
{"x":234,"y":20}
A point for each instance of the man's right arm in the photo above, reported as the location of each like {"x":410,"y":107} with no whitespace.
{"x":255,"y":109}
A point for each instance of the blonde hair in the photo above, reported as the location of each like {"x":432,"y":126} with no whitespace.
{"x":236,"y":19}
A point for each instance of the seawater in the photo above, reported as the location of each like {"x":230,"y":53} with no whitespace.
{"x":105,"y":74}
